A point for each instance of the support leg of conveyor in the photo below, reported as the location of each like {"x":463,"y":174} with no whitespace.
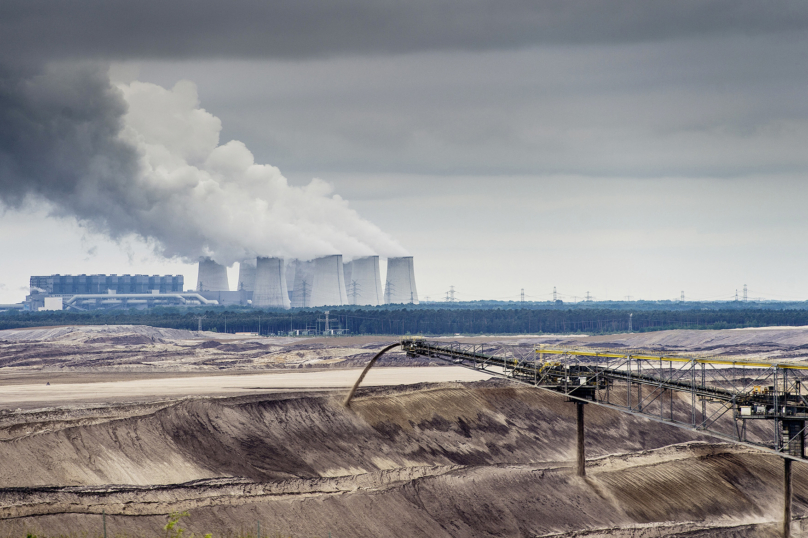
{"x":786,"y":498}
{"x":581,"y":455}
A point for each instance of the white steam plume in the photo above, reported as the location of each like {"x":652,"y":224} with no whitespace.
{"x":140,"y":159}
{"x":205,"y":199}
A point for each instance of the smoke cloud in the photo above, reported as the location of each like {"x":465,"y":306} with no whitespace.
{"x":145,"y":160}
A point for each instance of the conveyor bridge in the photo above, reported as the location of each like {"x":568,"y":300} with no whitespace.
{"x":756,"y":403}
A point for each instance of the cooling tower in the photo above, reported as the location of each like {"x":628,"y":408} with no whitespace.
{"x":246,"y":275}
{"x":363,"y":282}
{"x":303,"y":281}
{"x":400,"y":284}
{"x":290,"y":278}
{"x":212,"y":276}
{"x":328,"y":288}
{"x":270,"y":284}
{"x":346,"y":271}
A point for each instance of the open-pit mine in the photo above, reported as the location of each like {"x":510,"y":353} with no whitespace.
{"x":113,"y":428}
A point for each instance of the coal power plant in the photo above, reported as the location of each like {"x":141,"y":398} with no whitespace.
{"x":263,"y":282}
{"x":326,"y":281}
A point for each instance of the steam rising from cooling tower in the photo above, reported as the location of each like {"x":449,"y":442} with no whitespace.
{"x":212,"y":276}
{"x":328,"y":288}
{"x":270,"y":284}
{"x":400,"y":285}
{"x":139,"y":159}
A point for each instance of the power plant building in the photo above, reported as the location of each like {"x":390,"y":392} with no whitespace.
{"x":98,"y":292}
{"x":400,"y":284}
{"x":212,"y":276}
{"x":270,"y":284}
{"x":84,"y":284}
{"x":328,"y":286}
{"x":363,"y":281}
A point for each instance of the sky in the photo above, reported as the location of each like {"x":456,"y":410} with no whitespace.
{"x":621,"y":149}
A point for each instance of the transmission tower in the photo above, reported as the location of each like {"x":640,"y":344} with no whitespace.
{"x":305,"y":294}
{"x":554,"y":294}
{"x":354,"y":289}
{"x":588,"y":298}
{"x":744,"y":293}
{"x":451,"y":294}
{"x":389,"y":290}
{"x":523,"y":297}
{"x":682,"y":297}
{"x":736,"y":295}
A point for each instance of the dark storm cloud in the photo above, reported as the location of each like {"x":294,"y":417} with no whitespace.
{"x":59,"y":140}
{"x":121,"y":29}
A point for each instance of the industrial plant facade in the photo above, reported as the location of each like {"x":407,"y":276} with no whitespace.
{"x":92,"y":284}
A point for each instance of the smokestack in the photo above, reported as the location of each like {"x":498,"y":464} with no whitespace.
{"x":212,"y":276}
{"x":246,"y":275}
{"x":400,"y":285}
{"x":303,"y":281}
{"x":328,"y":288}
{"x":270,"y":284}
{"x":363,"y":282}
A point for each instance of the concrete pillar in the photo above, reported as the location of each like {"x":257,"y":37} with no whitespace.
{"x":579,"y":406}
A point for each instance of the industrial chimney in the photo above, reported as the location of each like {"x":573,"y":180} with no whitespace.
{"x":363,"y":281}
{"x":246,"y":275}
{"x":212,"y":276}
{"x":303,"y":276}
{"x":400,"y":285}
{"x":270,"y":284}
{"x":328,"y":288}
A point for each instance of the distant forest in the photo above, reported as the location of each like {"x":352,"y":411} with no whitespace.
{"x":434,"y":320}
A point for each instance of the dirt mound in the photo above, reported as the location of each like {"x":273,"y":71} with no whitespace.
{"x":82,"y":333}
{"x":129,"y":339}
{"x":487,"y":460}
{"x":274,"y":437}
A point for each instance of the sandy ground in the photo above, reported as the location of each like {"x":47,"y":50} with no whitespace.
{"x":59,"y":394}
{"x":139,"y":422}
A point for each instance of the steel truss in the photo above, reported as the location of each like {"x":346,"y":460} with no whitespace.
{"x":758,"y":404}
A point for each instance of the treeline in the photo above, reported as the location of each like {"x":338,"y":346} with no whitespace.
{"x":427,"y":321}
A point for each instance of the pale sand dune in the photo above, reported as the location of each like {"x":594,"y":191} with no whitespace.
{"x":57,"y":394}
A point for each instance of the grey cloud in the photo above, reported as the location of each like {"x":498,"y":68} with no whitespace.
{"x":58,"y":140}
{"x":691,"y":108}
{"x":121,"y":29}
